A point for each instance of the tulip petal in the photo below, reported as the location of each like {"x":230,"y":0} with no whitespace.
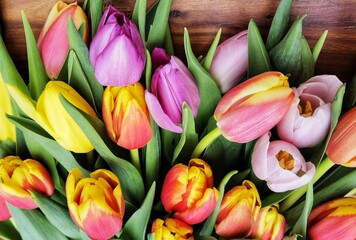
{"x":159,"y":58}
{"x":4,"y":211}
{"x":160,"y":117}
{"x":259,"y":157}
{"x":17,"y":196}
{"x":7,"y":129}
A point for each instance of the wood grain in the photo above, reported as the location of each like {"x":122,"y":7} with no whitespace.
{"x":203,"y":18}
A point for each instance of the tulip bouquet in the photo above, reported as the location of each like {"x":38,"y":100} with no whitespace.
{"x":114,"y":137}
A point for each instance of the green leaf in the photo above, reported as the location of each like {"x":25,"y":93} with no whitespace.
{"x":188,"y":139}
{"x":7,"y":147}
{"x":8,"y":230}
{"x":275,"y":198}
{"x":130,"y":179}
{"x":279,"y":24}
{"x":169,"y":142}
{"x":156,"y":34}
{"x":33,"y":225}
{"x":208,"y":226}
{"x":78,"y":46}
{"x":57,"y":215}
{"x":139,"y":17}
{"x":307,"y":63}
{"x":135,"y":227}
{"x":211,"y":52}
{"x":209,"y":91}
{"x":94,"y":11}
{"x":350,"y":95}
{"x":148,"y":70}
{"x":258,"y":59}
{"x":150,"y":16}
{"x":319,"y":45}
{"x":37,"y":72}
{"x":168,"y":42}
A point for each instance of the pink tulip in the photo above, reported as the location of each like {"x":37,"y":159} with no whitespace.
{"x":172,"y":85}
{"x":308,"y":120}
{"x":117,"y":51}
{"x":4,"y":211}
{"x":230,"y":61}
{"x":280,"y":164}
{"x":253,"y":107}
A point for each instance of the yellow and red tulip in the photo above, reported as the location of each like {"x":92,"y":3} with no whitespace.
{"x":53,"y":39}
{"x":238,"y":211}
{"x":126,"y":116}
{"x":4,"y":211}
{"x":19,"y":177}
{"x":96,"y":204}
{"x":50,"y":114}
{"x":253,"y":107}
{"x":189,"y":192}
{"x":341,"y":147}
{"x":335,"y":219}
{"x":171,"y":228}
{"x":7,"y":129}
{"x":270,"y":225}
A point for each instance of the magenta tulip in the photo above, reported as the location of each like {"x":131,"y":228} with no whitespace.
{"x":117,"y":51}
{"x":230,"y":61}
{"x":280,"y":164}
{"x":308,"y":120}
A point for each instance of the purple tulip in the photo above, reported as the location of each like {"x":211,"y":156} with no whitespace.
{"x":308,"y":120}
{"x":172,"y":85}
{"x":230,"y":61}
{"x":117,"y":51}
{"x":280,"y":164}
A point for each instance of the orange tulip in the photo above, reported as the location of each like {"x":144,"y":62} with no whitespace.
{"x":171,"y":228}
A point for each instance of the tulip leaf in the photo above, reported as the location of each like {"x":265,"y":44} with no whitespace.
{"x":57,"y":215}
{"x":150,"y":16}
{"x":130,"y":178}
{"x":211,"y":52}
{"x":94,"y":11}
{"x":135,"y":227}
{"x":209,"y":91}
{"x":188,"y":139}
{"x":156,"y":34}
{"x":79,"y":47}
{"x":37,"y":72}
{"x":275,"y":198}
{"x":258,"y":59}
{"x":319,"y":45}
{"x":7,"y":147}
{"x":148,"y":71}
{"x":32,"y":224}
{"x":36,"y":133}
{"x":78,"y":80}
{"x":169,"y":142}
{"x":279,"y":24}
{"x":168,"y":42}
{"x":350,"y":95}
{"x":139,"y":17}
{"x":208,"y":226}
{"x":8,"y":230}
{"x":307,"y":62}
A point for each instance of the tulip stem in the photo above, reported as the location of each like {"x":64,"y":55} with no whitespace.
{"x":135,"y":158}
{"x":205,"y":142}
{"x":323,"y":167}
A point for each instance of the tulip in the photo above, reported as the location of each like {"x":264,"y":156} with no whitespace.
{"x":238,"y":211}
{"x":96,"y":204}
{"x":19,"y":177}
{"x":310,"y":112}
{"x":159,"y":58}
{"x":7,"y":129}
{"x":172,"y":85}
{"x":4,"y":211}
{"x":171,"y":228}
{"x":126,"y":116}
{"x":335,"y":219}
{"x":280,"y":164}
{"x":270,"y":225}
{"x":253,"y":107}
{"x":50,"y":114}
{"x":53,"y":40}
{"x":117,"y":51}
{"x":189,"y":192}
{"x":230,"y":62}
{"x":341,"y":147}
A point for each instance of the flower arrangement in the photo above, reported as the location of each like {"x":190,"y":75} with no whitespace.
{"x":115,"y":137}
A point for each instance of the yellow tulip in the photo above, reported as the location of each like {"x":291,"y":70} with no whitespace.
{"x":7,"y":129}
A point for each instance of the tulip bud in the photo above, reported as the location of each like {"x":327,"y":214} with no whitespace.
{"x":238,"y":211}
{"x":7,"y":129}
{"x":310,"y":112}
{"x":270,"y":225}
{"x":18,"y":178}
{"x":335,"y":219}
{"x":117,"y":51}
{"x":253,"y":107}
{"x":96,"y":204}
{"x":172,"y":85}
{"x":341,"y":147}
{"x":4,"y":211}
{"x":189,"y":192}
{"x":53,"y":39}
{"x":171,"y":228}
{"x":126,"y":116}
{"x":230,"y":62}
{"x":280,"y":164}
{"x":50,"y":114}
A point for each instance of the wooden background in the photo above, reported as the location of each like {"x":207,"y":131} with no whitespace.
{"x":203,"y":18}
